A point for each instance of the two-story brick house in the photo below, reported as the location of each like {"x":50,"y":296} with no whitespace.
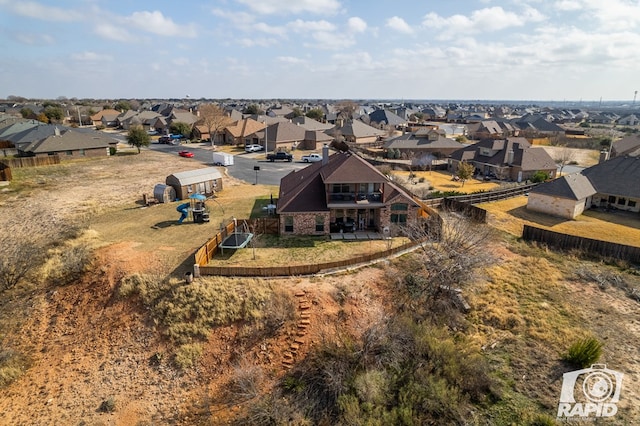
{"x":344,"y":193}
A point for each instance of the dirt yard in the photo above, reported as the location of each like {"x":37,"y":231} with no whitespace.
{"x":84,"y":346}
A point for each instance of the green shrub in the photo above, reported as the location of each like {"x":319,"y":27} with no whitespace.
{"x":108,"y":405}
{"x":187,"y":355}
{"x":539,"y":176}
{"x":543,"y":420}
{"x":584,"y":352}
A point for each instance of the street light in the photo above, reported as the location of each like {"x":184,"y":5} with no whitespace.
{"x":266,"y":140}
{"x":256,"y":168}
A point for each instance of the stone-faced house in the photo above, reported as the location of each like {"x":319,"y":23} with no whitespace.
{"x":243,"y":132}
{"x":610,"y":184}
{"x":343,"y":191}
{"x":507,"y":159}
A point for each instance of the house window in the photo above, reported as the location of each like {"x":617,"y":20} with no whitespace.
{"x":319,"y":223}
{"x":631,"y":203}
{"x":69,"y":152}
{"x":622,"y":201}
{"x":398,"y":218}
{"x":288,"y":224}
{"x":612,"y":199}
{"x":81,"y":152}
{"x":399,"y":207}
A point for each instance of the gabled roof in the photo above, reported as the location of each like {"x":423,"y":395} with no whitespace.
{"x":387,"y":117}
{"x":574,"y":187}
{"x":412,"y":141}
{"x":245,"y":127}
{"x":311,"y":124}
{"x":285,"y":131}
{"x":625,"y":145}
{"x":619,"y":176}
{"x":358,"y":129}
{"x":304,"y":190}
{"x":524,"y":155}
{"x":317,"y":136}
{"x":184,"y":117}
{"x":70,"y":140}
{"x":18,"y":127}
{"x":98,"y":115}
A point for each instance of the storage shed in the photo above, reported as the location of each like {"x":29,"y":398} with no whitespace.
{"x":164,"y":193}
{"x":203,"y":181}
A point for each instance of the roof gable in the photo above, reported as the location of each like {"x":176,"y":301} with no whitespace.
{"x":574,"y":187}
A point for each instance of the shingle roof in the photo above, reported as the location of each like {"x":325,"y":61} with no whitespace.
{"x":524,"y":155}
{"x":311,"y":124}
{"x":410,"y":141}
{"x":70,"y":140}
{"x":387,"y":117}
{"x":619,"y":176}
{"x":574,"y":187}
{"x":358,"y":129}
{"x":626,"y":144}
{"x":304,"y":190}
{"x":285,"y":131}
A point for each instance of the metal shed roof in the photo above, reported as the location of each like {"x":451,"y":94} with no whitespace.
{"x":195,"y":176}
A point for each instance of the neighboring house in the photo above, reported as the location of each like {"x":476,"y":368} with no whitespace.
{"x":160,"y":125}
{"x":283,"y":136}
{"x":244,"y":132}
{"x":69,"y":143}
{"x":145,"y":119}
{"x":341,"y":189}
{"x":629,"y":120}
{"x":355,"y":131}
{"x":424,"y":142}
{"x":205,"y":181}
{"x":109,"y":119}
{"x":314,"y":139}
{"x":511,"y":159}
{"x":16,"y":127}
{"x":610,"y":184}
{"x":201,"y":133}
{"x":538,"y":124}
{"x":311,"y":124}
{"x":384,"y":117}
{"x":566,"y":197}
{"x":96,"y":119}
{"x":489,"y":129}
{"x":125,"y":118}
{"x":625,"y":146}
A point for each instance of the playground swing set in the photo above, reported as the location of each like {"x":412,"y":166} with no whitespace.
{"x":197,"y":207}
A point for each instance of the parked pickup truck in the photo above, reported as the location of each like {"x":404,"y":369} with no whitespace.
{"x":280,"y":155}
{"x":311,"y":158}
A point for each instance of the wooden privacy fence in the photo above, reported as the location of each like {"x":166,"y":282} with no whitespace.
{"x":31,"y":161}
{"x":5,"y":172}
{"x":261,"y":225}
{"x":476,"y":214}
{"x":293,"y":270}
{"x":587,"y":245}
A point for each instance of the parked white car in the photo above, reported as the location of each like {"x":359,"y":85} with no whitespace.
{"x":253,"y":148}
{"x":312,"y":158}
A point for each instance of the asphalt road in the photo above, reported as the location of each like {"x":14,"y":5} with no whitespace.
{"x":243,"y":167}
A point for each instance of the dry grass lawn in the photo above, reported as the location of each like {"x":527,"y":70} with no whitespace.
{"x":441,"y":181}
{"x":510,"y":215}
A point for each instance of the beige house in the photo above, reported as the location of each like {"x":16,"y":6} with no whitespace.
{"x":565,"y":197}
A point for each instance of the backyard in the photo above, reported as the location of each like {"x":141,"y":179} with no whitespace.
{"x":511,"y":214}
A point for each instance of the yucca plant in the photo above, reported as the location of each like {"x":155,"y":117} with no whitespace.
{"x":584,"y":352}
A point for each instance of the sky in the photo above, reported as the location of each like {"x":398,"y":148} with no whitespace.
{"x":547,"y":50}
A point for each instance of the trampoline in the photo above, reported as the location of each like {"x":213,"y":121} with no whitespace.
{"x":236,"y":240}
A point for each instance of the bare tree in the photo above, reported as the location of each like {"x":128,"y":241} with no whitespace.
{"x":564,"y":156}
{"x":17,"y":258}
{"x":214,"y":118}
{"x":346,"y":109}
{"x":452,"y":248}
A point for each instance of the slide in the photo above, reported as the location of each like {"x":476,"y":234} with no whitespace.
{"x":184,"y":211}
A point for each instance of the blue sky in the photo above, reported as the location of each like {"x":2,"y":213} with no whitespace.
{"x":342,"y":49}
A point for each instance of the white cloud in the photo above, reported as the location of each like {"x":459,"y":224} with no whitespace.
{"x":308,"y":26}
{"x":155,"y":22}
{"x":88,"y":56}
{"x":35,"y":10}
{"x":398,"y":24}
{"x":260,"y":42}
{"x":568,"y":5}
{"x":481,"y":20}
{"x":34,"y":39}
{"x":241,"y":19}
{"x":111,"y":32}
{"x":268,"y":29}
{"x":284,"y":7}
{"x":356,"y":25}
{"x":291,"y":60}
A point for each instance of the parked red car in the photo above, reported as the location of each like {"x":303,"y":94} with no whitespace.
{"x":187,"y":154}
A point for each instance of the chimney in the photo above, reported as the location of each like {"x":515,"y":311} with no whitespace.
{"x":510,"y":157}
{"x":604,"y":156}
{"x":325,"y":154}
{"x":56,"y":131}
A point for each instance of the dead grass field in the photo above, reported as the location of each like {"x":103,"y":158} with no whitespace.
{"x":441,"y":181}
{"x":511,"y":214}
{"x":84,"y":344}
